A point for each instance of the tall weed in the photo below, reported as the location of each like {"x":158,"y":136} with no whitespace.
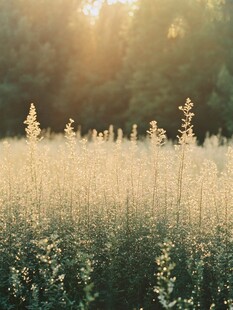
{"x":82,"y":220}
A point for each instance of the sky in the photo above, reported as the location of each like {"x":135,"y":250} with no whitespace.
{"x":93,"y":9}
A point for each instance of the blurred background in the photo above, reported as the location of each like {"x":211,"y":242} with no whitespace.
{"x":116,"y":62}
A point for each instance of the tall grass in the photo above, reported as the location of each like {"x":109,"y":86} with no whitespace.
{"x":83,"y":220}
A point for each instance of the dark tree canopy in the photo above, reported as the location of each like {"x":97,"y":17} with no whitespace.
{"x":130,"y":64}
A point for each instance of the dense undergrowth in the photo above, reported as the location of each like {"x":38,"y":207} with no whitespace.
{"x":113,"y":223}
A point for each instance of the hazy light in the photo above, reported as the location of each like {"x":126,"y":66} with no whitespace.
{"x":94,"y":8}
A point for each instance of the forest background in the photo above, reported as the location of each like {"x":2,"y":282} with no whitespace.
{"x":131,"y":63}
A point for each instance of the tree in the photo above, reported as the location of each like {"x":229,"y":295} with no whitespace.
{"x":173,"y":53}
{"x":37,"y":42}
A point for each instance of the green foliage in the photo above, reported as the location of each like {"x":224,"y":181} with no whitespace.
{"x":37,"y":275}
{"x":166,"y":283}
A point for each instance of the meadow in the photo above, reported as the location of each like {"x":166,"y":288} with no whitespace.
{"x":110,"y":222}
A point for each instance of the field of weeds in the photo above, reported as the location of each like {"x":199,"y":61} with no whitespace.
{"x":107,"y":222}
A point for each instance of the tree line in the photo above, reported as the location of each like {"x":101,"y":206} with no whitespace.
{"x":130,"y":64}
